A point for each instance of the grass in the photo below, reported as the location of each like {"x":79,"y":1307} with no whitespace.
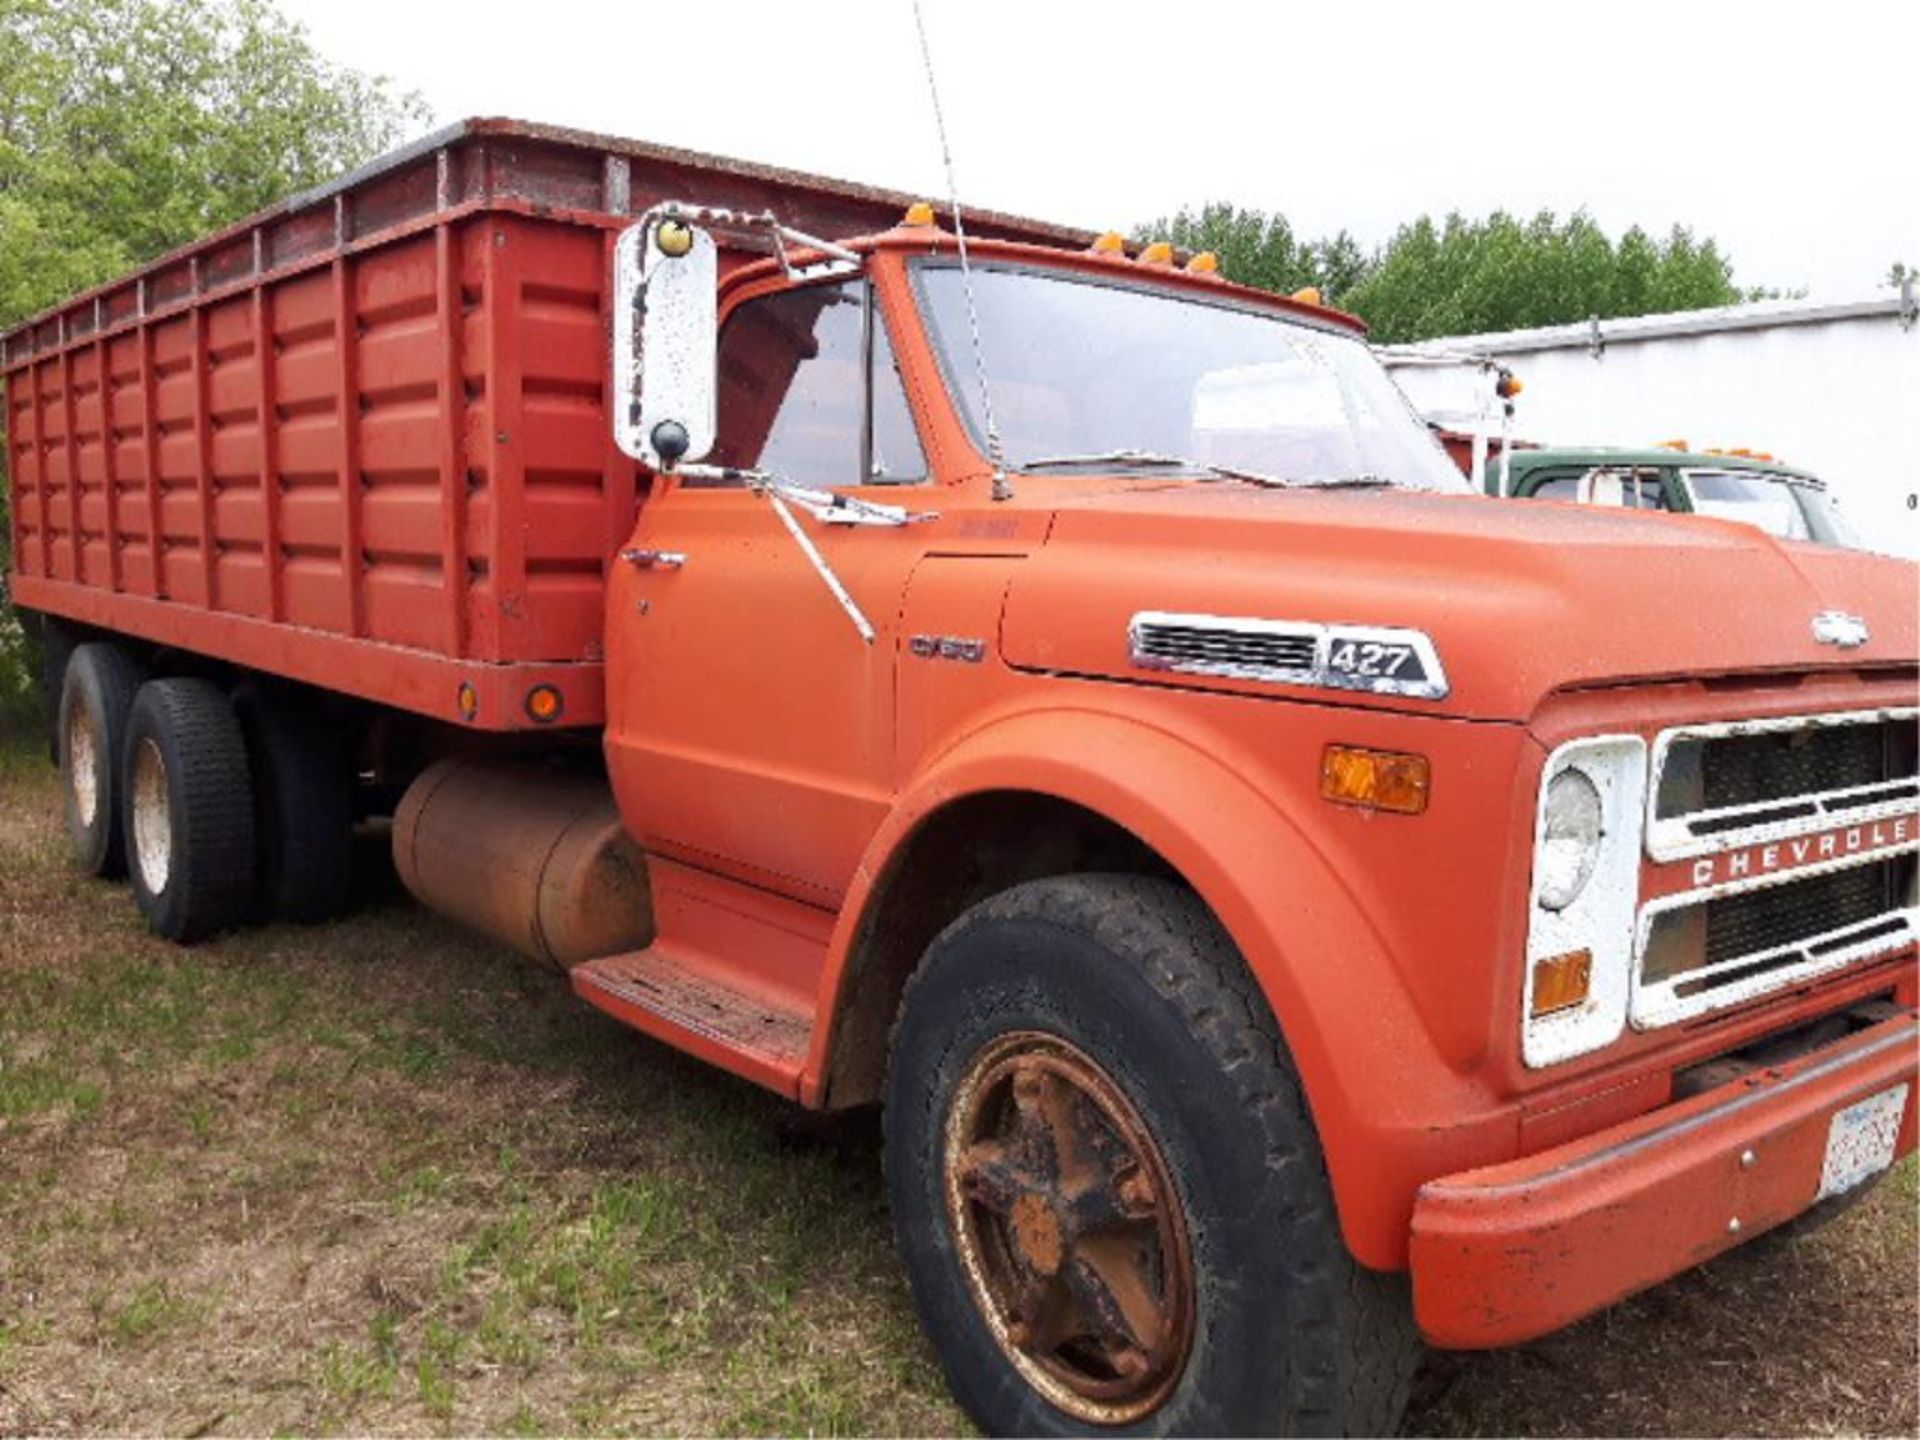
{"x":383,"y":1178}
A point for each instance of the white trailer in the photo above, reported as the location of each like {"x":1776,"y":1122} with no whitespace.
{"x":1832,"y":388}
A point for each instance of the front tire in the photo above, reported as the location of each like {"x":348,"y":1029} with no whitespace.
{"x":1107,"y":1190}
{"x":188,"y":810}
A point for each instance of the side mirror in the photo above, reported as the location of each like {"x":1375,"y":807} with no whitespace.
{"x":666,"y":275}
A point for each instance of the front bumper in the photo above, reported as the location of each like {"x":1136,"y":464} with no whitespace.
{"x":1513,"y":1251}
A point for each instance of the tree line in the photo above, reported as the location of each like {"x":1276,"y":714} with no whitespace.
{"x":1465,"y":276}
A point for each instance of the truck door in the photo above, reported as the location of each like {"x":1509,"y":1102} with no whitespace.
{"x":750,"y":726}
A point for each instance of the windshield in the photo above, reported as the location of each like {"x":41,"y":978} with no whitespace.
{"x":1774,"y":503}
{"x":1092,"y":375}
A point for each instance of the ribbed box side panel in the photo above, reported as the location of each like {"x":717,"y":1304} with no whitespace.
{"x":408,"y":445}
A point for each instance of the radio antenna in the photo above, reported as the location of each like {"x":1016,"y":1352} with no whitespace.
{"x":1002,"y":486}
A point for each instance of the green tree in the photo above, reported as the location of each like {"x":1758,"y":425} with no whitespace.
{"x":1460,"y":276}
{"x":1260,"y":249}
{"x":1254,"y":248}
{"x":1467,"y":276}
{"x":130,"y":127}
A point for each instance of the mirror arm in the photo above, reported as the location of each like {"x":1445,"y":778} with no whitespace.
{"x":759,"y":229}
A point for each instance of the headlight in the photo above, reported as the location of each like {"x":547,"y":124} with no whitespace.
{"x":1584,"y":897}
{"x":1572,"y":827}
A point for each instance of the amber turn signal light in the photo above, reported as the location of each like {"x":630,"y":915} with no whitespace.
{"x":1561,"y":982}
{"x":1375,"y":779}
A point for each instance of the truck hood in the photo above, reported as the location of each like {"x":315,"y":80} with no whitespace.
{"x":1521,"y":598}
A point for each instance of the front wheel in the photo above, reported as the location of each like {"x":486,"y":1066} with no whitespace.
{"x":1107,"y":1190}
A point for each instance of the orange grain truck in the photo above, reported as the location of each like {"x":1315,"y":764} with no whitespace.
{"x":1286,"y":904}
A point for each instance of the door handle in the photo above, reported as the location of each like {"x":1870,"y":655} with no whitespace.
{"x":654,"y":559}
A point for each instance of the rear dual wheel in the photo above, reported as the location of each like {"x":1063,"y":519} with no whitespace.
{"x":303,"y":805}
{"x":188,"y":810}
{"x":97,"y":688}
{"x":1107,"y":1189}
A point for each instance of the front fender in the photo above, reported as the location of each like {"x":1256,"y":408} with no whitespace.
{"x":1389,"y":1110}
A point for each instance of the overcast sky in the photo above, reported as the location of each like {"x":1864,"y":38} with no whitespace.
{"x":1791,"y":134}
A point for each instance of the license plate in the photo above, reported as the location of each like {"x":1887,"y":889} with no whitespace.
{"x":1860,"y":1140}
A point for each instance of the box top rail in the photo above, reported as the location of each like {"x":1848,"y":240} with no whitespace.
{"x":476,"y":164}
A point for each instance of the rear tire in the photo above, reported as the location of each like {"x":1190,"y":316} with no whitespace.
{"x":302,"y":810}
{"x":1113,"y":1013}
{"x":187,"y":810}
{"x":96,"y":693}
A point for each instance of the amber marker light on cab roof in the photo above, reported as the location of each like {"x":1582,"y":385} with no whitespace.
{"x":1158,"y":253}
{"x":1205,"y":263}
{"x":919,"y":215}
{"x":1112,"y":242}
{"x":1560,"y":982}
{"x":1375,"y":779}
{"x":1308,"y":295}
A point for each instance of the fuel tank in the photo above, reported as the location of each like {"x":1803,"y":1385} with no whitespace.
{"x":532,"y":856}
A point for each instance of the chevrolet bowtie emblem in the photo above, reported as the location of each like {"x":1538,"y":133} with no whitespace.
{"x":1836,"y":627}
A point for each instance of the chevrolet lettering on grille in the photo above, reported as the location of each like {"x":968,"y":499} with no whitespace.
{"x":1804,"y":850}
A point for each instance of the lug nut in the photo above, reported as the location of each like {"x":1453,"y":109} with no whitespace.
{"x":1136,"y":1193}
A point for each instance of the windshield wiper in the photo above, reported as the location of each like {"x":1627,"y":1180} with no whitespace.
{"x":1364,"y":481}
{"x":1202,"y":468}
{"x":1112,"y":457}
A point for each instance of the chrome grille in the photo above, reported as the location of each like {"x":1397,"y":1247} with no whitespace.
{"x":1726,"y":785}
{"x":1782,"y":915}
{"x":1257,"y":652}
{"x":1700,"y":952}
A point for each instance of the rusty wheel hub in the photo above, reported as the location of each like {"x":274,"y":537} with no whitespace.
{"x":1070,"y":1229}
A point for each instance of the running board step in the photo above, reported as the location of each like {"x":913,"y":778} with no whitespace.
{"x":664,"y":997}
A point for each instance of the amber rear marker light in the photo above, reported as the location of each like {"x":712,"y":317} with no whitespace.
{"x":544,"y":704}
{"x":1561,"y":982}
{"x":1375,"y":779}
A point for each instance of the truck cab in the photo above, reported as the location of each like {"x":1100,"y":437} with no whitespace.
{"x":1733,"y":485}
{"x":1536,"y":885}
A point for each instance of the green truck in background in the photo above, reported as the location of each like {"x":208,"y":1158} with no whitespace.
{"x":1733,"y":485}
